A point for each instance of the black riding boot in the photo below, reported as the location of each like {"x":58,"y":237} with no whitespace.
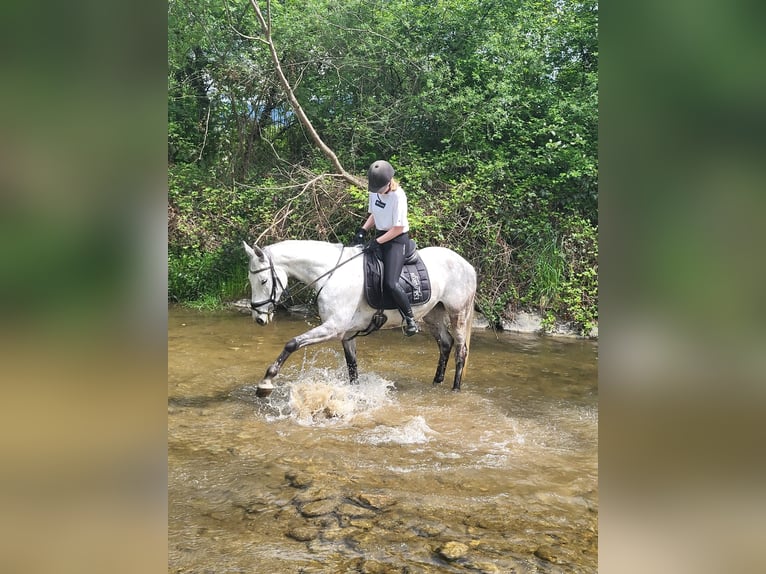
{"x":393,"y":259}
{"x":411,"y":326}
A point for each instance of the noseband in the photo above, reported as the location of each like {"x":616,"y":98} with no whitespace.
{"x":274,"y":280}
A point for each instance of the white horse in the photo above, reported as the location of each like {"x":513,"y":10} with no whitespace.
{"x":335,"y":273}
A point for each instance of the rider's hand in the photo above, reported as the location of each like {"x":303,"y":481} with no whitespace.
{"x":371,"y":246}
{"x":359,"y":236}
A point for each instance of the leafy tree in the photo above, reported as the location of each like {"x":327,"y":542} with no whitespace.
{"x":487,"y":108}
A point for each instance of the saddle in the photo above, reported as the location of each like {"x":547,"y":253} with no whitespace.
{"x":414,"y":280}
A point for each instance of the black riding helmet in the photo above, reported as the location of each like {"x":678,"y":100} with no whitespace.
{"x":379,"y":176}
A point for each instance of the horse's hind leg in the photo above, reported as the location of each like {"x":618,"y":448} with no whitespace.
{"x":436,"y":321}
{"x":349,"y":349}
{"x":460,"y":326}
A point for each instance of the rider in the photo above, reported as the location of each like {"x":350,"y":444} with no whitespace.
{"x":388,"y":213}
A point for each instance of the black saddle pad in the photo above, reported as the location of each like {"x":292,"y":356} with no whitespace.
{"x":414,"y":282}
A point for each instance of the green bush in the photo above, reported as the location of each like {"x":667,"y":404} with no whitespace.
{"x":198,"y":276}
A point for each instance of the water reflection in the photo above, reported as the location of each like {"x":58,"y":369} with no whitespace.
{"x":389,"y":475}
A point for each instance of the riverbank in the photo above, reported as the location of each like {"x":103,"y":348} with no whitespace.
{"x":521,"y":322}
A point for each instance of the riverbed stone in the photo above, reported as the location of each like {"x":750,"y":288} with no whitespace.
{"x":554,"y":553}
{"x":492,"y":523}
{"x":333,"y":533}
{"x":298,"y":479}
{"x":482,"y":567}
{"x":312,"y":494}
{"x":428,"y":529}
{"x":353,"y":511}
{"x":362,"y":540}
{"x":362,"y":524}
{"x":452,"y":550}
{"x":318,"y":507}
{"x":376,"y":501}
{"x":303,"y":533}
{"x":375,"y":567}
{"x":391,"y":523}
{"x":288,"y":512}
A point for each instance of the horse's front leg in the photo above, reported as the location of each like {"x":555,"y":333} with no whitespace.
{"x":316,"y":335}
{"x":349,"y":349}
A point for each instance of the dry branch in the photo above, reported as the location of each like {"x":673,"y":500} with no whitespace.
{"x":297,"y":108}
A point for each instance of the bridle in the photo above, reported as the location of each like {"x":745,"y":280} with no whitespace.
{"x":272,"y":300}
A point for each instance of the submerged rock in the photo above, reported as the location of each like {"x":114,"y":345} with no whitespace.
{"x":554,"y":554}
{"x":428,"y":530}
{"x":353,"y":511}
{"x":313,"y":494}
{"x":483,"y":567}
{"x":362,"y":524}
{"x":375,"y":567}
{"x":298,"y":479}
{"x":376,"y":501}
{"x":452,"y":550}
{"x":303,"y":533}
{"x":318,"y":508}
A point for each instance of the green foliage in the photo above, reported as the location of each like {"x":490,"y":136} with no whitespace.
{"x":195,"y":275}
{"x":207,"y":302}
{"x":488,"y":110}
{"x":579,"y":292}
{"x":548,"y":273}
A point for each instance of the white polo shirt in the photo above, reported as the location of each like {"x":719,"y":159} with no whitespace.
{"x":389,"y":210}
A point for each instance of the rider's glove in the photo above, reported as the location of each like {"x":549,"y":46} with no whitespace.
{"x":359,"y":236}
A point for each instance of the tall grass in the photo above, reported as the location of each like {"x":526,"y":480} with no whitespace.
{"x":549,"y":272}
{"x":206,"y":280}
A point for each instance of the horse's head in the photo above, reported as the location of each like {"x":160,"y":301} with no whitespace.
{"x":267,"y":283}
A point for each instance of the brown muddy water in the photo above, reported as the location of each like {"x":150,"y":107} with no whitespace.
{"x":391,"y":475}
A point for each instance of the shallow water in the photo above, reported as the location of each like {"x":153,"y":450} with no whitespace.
{"x":390,"y":475}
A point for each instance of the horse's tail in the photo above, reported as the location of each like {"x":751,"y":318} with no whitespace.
{"x":469,"y":330}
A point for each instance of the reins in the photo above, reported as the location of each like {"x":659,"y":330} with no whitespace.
{"x":285,"y":290}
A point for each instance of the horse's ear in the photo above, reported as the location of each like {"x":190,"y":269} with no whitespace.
{"x":253,"y":251}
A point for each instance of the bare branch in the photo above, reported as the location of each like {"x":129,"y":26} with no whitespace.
{"x":297,"y":108}
{"x":237,"y":32}
{"x":207,"y":126}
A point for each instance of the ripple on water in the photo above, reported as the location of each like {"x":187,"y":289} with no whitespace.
{"x":414,"y":431}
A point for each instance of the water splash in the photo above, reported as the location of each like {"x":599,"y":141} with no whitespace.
{"x":318,"y":395}
{"x":414,"y":431}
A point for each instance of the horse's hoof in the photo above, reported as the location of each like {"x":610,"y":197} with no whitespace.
{"x":264,"y":389}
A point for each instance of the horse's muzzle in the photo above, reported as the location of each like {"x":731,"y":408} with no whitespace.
{"x":262,"y":318}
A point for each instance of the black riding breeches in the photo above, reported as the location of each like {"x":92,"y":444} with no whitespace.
{"x":393,"y":262}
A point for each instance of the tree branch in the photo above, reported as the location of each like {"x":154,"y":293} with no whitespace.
{"x":207,"y":125}
{"x":297,"y":108}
